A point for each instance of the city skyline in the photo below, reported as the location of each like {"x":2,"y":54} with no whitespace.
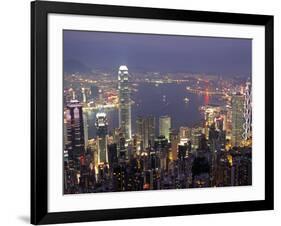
{"x":156,"y":130}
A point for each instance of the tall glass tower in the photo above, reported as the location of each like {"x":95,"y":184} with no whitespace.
{"x":124,"y":102}
{"x":74,"y":133}
{"x":248,"y":112}
{"x":237,"y":117}
{"x":165,"y":126}
{"x":146,"y":131}
{"x":102,"y":132}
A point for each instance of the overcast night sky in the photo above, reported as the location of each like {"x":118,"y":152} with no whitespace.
{"x":105,"y":50}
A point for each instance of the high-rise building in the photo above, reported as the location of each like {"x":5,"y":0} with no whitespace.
{"x":122,"y":148}
{"x":86,"y":130}
{"x":211,"y":113}
{"x":237,"y":119}
{"x":102,"y":134}
{"x":165,"y":126}
{"x":86,"y":93}
{"x":146,"y":131}
{"x":182,"y":151}
{"x":248,"y":112}
{"x":214,"y":139}
{"x":175,"y":140}
{"x":65,"y":139}
{"x":161,"y":150}
{"x":196,"y":134}
{"x":94,"y":91}
{"x":75,"y":131}
{"x":124,"y":102}
{"x":241,"y":170}
{"x":93,"y":146}
{"x":185,"y":132}
{"x":112,"y":155}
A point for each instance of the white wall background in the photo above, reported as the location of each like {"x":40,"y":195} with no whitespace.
{"x":15,"y":113}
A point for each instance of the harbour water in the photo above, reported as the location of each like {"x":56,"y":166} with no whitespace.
{"x":158,"y":100}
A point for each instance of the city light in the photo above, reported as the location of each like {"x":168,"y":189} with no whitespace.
{"x":154,"y":152}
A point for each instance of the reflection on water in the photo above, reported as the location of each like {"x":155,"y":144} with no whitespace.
{"x":165,"y":99}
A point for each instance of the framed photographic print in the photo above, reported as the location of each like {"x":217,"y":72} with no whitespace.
{"x":145,"y":112}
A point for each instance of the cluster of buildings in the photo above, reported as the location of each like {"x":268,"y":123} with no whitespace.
{"x":212,"y":154}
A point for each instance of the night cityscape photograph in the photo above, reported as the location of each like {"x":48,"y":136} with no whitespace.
{"x":155,"y":112}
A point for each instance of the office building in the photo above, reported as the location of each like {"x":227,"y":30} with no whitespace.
{"x":112,"y":155}
{"x":146,"y":131}
{"x":75,"y":145}
{"x":248,"y":112}
{"x":102,"y":134}
{"x":124,"y":102}
{"x":211,"y":112}
{"x":175,"y":140}
{"x":185,"y":132}
{"x":237,"y":119}
{"x":165,"y":126}
{"x":161,"y":151}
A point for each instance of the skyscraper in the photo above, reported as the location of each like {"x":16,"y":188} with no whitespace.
{"x":175,"y":140}
{"x":237,"y":117}
{"x":196,"y":134}
{"x":86,"y":130}
{"x":75,"y":132}
{"x":86,"y":93}
{"x":165,"y":126}
{"x":146,"y":131}
{"x":185,"y":132}
{"x":161,"y":152}
{"x":102,"y":132}
{"x":124,"y":102}
{"x":210,"y":114}
{"x":112,"y":155}
{"x":182,"y":151}
{"x":248,"y":112}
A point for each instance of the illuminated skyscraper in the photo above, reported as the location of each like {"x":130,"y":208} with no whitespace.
{"x":237,"y":119}
{"x":217,"y":139}
{"x":165,"y":126}
{"x":112,"y":155}
{"x":102,"y":132}
{"x":185,"y":132}
{"x":175,"y":140}
{"x":86,"y":130}
{"x":86,"y":93}
{"x":211,"y":113}
{"x":146,"y":131}
{"x":161,"y":152}
{"x":73,"y":144}
{"x":124,"y":102}
{"x":248,"y":112}
{"x":75,"y":131}
{"x":196,"y":134}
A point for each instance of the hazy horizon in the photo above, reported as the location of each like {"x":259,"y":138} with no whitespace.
{"x":90,"y":50}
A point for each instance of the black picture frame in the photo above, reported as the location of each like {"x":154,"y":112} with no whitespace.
{"x":39,"y":112}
